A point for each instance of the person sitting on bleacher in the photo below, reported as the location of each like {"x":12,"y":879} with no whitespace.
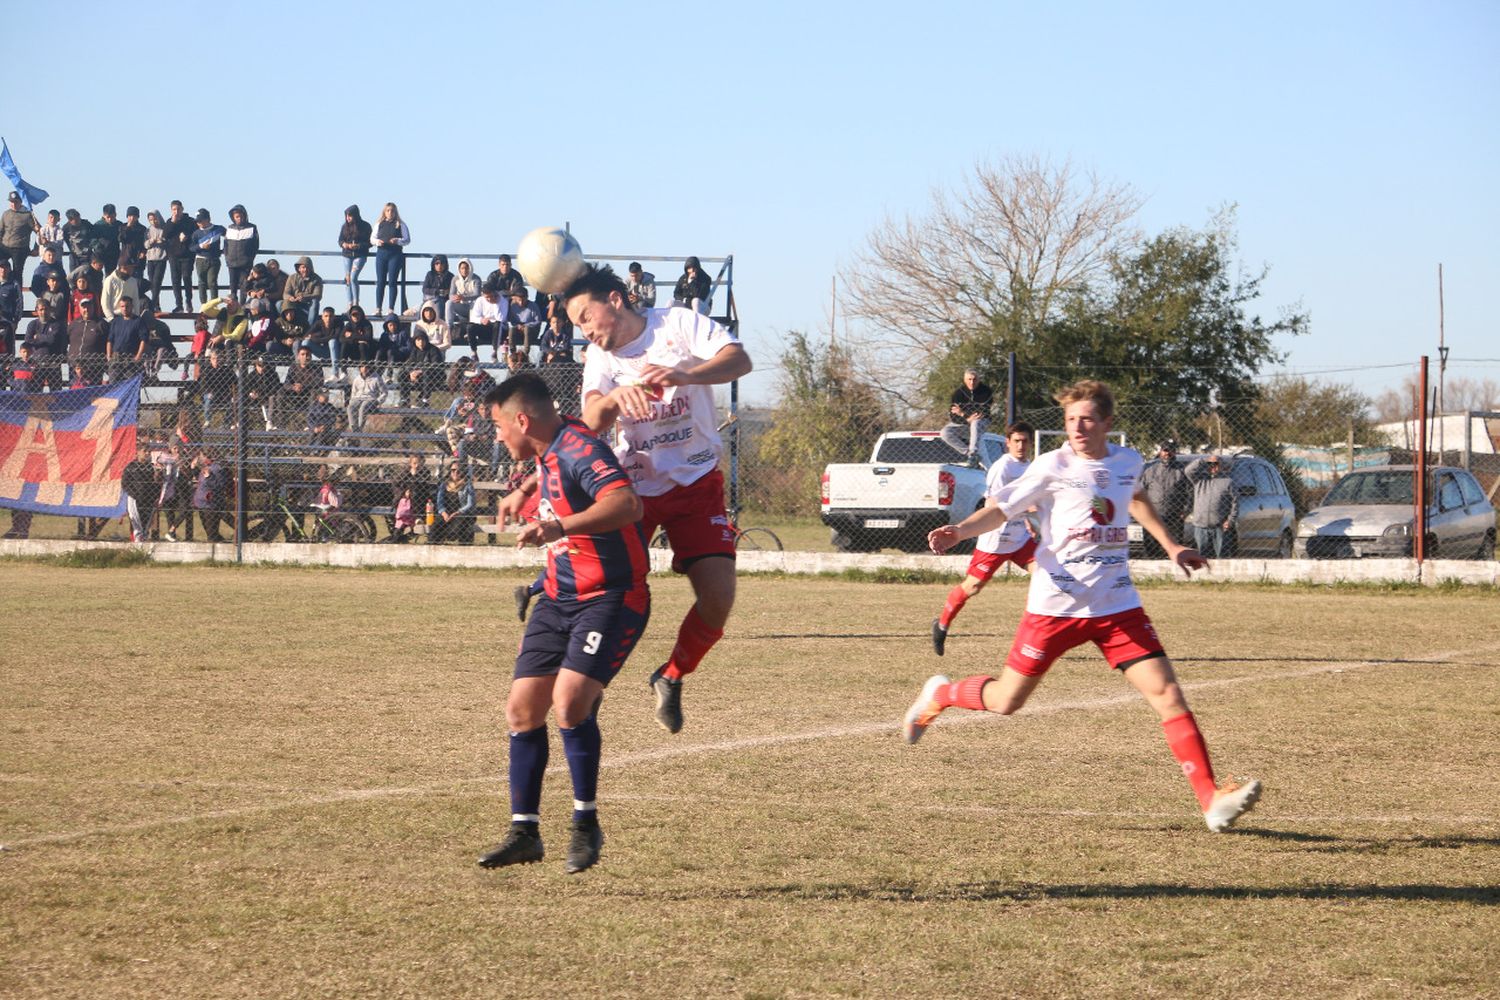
{"x":438,"y":284}
{"x":423,"y":372}
{"x":290,"y":331}
{"x":455,"y":502}
{"x":366,"y":394}
{"x":415,"y":483}
{"x":231,"y":322}
{"x":557,"y":341}
{"x":303,"y":291}
{"x":522,"y":324}
{"x":323,"y":338}
{"x":322,"y":420}
{"x":458,"y":422}
{"x":216,"y":386}
{"x":262,"y":387}
{"x":303,"y":380}
{"x":466,"y":288}
{"x":356,"y":339}
{"x":435,"y":329}
{"x":394,"y":345}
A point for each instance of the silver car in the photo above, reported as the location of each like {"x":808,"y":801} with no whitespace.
{"x":1370,"y":512}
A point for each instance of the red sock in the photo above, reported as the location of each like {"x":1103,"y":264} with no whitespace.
{"x":967,"y":693}
{"x":953,"y":605}
{"x":694,"y":639}
{"x":1188,"y":747}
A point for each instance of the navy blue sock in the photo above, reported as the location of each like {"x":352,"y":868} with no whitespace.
{"x":583,"y":746}
{"x":528,"y":763}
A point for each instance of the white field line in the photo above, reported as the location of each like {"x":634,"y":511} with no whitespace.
{"x":698,"y":749}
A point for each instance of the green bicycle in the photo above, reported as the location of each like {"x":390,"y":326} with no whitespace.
{"x":281,"y":521}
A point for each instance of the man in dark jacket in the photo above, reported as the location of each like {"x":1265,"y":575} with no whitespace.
{"x":133,"y":239}
{"x":87,"y":336}
{"x":693,"y":288}
{"x":303,"y":380}
{"x":127,"y":341}
{"x":507,"y":279}
{"x":423,"y":372}
{"x":262,"y":387}
{"x":138,"y":481}
{"x":49,"y":265}
{"x":79,"y":237}
{"x":1169,"y":491}
{"x":179,"y":229}
{"x":323,"y":420}
{"x":10,"y":294}
{"x":107,"y":235}
{"x":241,"y":244}
{"x":216,"y":386}
{"x":969,"y":416}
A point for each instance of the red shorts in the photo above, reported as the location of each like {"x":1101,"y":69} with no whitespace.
{"x":1124,"y":639}
{"x":694,"y":518}
{"x":984,"y":565}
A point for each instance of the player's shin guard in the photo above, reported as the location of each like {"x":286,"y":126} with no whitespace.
{"x":583,"y":746}
{"x":1191,"y":752}
{"x":528,"y":763}
{"x":957,"y":598}
{"x":967,"y":693}
{"x":694,"y":639}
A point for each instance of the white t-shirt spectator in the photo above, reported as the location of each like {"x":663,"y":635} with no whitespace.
{"x":679,"y":443}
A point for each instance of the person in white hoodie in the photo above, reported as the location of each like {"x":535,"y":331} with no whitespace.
{"x":436,"y":330}
{"x":466,"y":287}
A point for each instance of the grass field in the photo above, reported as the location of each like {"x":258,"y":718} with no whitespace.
{"x":262,"y":783}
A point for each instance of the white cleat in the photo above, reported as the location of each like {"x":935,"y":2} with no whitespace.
{"x":1230,"y":803}
{"x":924,"y":711}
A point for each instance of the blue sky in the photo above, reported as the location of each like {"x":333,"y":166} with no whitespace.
{"x":1359,"y":141}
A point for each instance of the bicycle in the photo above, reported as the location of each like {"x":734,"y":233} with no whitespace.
{"x":328,"y":525}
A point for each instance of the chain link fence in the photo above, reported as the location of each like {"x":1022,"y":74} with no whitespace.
{"x":261,"y":448}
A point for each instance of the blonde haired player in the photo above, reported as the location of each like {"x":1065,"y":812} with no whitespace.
{"x":1081,"y":591}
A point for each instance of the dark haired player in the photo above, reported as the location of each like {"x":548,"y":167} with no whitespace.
{"x":1081,"y":591}
{"x":653,"y":374}
{"x":592,"y":612}
{"x":1011,"y":542}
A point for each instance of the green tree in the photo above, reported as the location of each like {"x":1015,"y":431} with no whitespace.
{"x":824,"y":413}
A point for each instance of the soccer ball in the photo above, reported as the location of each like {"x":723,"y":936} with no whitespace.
{"x":549,"y":259}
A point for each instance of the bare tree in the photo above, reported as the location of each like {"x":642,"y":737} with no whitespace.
{"x":1462,"y":394}
{"x":1020,"y":235}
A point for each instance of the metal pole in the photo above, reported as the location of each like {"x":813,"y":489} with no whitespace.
{"x":1010,"y":389}
{"x":1442,"y":398}
{"x":239,"y":455}
{"x":1419,"y":522}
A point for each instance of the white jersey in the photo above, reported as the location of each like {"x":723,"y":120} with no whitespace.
{"x":678,"y":444}
{"x":1082,"y":559}
{"x":1012,"y":534}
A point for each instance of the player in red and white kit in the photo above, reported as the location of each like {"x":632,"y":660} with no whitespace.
{"x":1081,"y":591}
{"x":653,"y":374}
{"x":1011,"y":542}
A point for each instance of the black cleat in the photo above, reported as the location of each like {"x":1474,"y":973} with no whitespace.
{"x":583,"y":849}
{"x":939,"y":637}
{"x":668,"y":700}
{"x":523,"y":600}
{"x":521,"y":846}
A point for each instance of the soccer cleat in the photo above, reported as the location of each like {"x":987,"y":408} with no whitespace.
{"x":1230,"y":803}
{"x":939,"y":637}
{"x":668,"y":700}
{"x":583,"y":848}
{"x":924,"y":711}
{"x":521,"y":846}
{"x":523,"y":600}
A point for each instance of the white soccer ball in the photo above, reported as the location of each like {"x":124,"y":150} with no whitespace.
{"x":549,"y":259}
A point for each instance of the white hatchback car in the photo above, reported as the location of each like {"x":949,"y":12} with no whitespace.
{"x":1369,"y":513}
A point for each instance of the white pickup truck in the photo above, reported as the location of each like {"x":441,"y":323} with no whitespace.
{"x":914,"y":482}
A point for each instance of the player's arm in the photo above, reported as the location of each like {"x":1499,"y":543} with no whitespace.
{"x":611,"y":511}
{"x":1145,"y":514}
{"x":731,"y":362}
{"x":511,"y":504}
{"x":987,"y":518}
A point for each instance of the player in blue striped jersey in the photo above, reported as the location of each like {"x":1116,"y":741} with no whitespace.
{"x":593,"y":609}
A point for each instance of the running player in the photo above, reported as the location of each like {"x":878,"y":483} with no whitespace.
{"x":1011,"y":542}
{"x":1081,"y":592}
{"x":653,"y":374}
{"x":594,"y":608}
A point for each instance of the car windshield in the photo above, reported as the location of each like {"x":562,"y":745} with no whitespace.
{"x":917,"y":451}
{"x":1372,"y":488}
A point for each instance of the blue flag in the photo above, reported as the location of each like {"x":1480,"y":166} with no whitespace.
{"x":30,"y":194}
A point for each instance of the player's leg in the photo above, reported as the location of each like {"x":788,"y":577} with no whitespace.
{"x":603,"y":634}
{"x":1132,"y":647}
{"x":1039,"y":641}
{"x":526,"y":591}
{"x":702,"y":548}
{"x":526,"y":707}
{"x":982,"y":566}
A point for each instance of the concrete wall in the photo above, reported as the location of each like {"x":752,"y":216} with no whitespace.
{"x":505,"y":557}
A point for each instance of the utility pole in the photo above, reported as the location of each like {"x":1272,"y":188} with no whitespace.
{"x":1442,"y":399}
